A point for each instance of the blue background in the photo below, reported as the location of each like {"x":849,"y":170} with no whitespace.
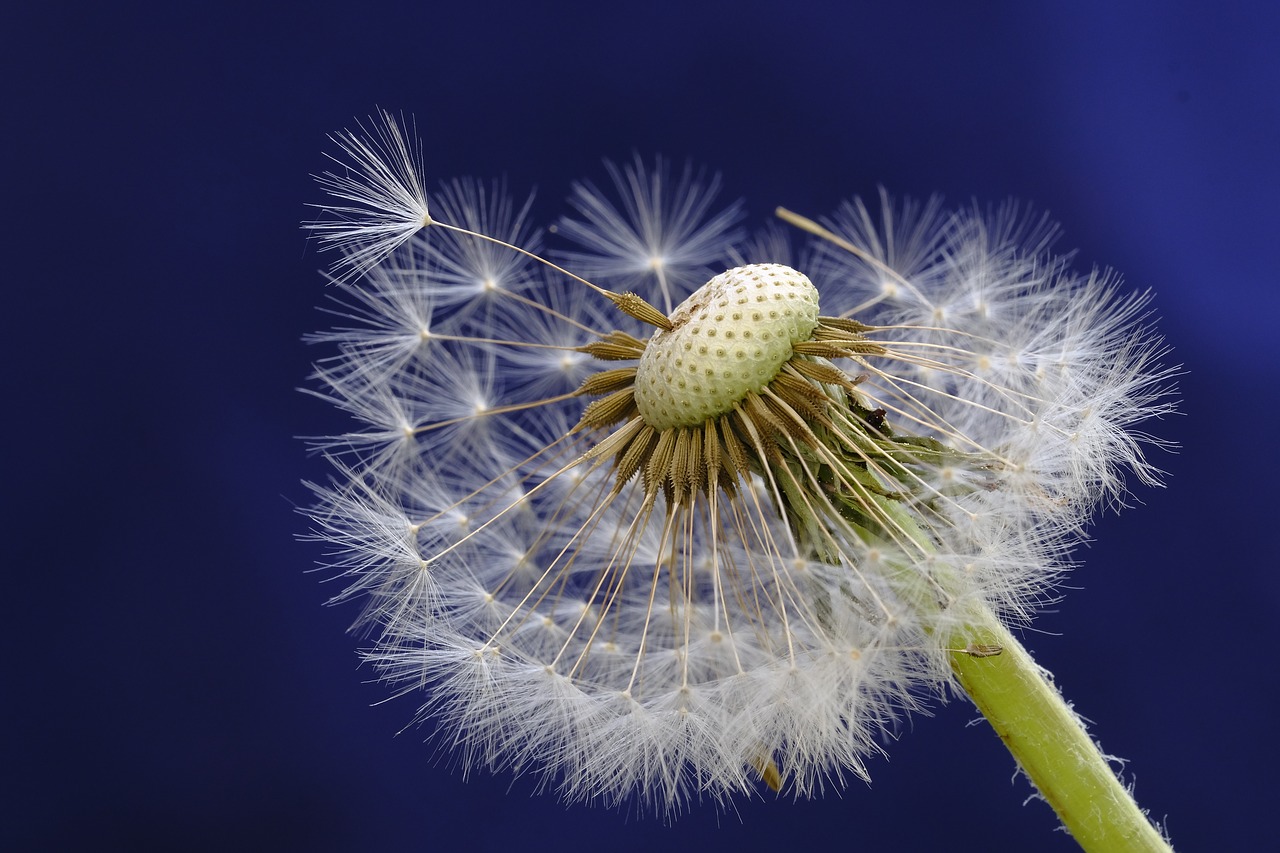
{"x":172,"y":680}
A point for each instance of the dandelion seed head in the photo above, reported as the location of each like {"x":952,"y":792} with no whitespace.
{"x":718,"y":538}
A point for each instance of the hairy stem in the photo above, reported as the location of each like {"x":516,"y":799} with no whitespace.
{"x":1049,"y":741}
{"x":1047,"y":738}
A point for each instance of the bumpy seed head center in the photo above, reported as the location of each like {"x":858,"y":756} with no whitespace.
{"x":728,"y":339}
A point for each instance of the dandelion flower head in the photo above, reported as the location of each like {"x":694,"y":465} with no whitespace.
{"x":678,"y":517}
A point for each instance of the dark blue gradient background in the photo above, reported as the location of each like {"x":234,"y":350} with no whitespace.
{"x":172,"y":680}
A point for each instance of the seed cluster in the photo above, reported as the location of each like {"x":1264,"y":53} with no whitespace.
{"x":735,"y":381}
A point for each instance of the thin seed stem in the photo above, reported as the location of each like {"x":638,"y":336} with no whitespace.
{"x":600,"y":290}
{"x":629,"y":303}
{"x":806,"y":224}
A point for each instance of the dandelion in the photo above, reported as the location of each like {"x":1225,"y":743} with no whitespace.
{"x":675,"y":553}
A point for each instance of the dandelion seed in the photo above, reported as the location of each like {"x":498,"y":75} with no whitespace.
{"x":682,"y":553}
{"x":470,"y":271}
{"x":660,"y":236}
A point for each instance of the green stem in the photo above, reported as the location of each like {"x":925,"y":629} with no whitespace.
{"x":1048,"y":741}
